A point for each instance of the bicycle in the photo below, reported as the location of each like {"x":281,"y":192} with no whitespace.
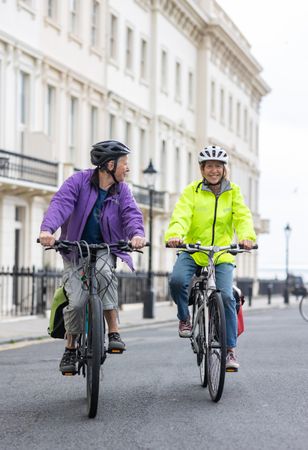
{"x":208,"y":336}
{"x":303,"y":304}
{"x":91,"y":349}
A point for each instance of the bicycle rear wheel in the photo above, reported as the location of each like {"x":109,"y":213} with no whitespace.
{"x":303,"y":307}
{"x":216,"y":349}
{"x":94,"y":353}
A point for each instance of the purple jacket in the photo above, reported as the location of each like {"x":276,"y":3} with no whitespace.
{"x":71,"y":206}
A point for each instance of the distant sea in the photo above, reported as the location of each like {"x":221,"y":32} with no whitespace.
{"x":276,"y":272}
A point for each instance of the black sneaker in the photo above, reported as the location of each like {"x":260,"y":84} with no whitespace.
{"x":116,"y":345}
{"x":68,"y":362}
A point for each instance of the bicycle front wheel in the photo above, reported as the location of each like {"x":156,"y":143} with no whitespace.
{"x":201,"y":340}
{"x":303,"y":308}
{"x":94,"y":354}
{"x":216,"y":347}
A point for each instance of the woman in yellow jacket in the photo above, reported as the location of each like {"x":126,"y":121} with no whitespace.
{"x":209,"y":211}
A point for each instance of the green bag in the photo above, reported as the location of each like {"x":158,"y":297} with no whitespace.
{"x":56,"y":322}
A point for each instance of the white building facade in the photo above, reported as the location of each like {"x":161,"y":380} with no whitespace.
{"x":167,"y":77}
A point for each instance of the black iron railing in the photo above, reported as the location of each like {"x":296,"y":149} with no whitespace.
{"x":26,"y":168}
{"x":28,"y":291}
{"x":142,"y":196}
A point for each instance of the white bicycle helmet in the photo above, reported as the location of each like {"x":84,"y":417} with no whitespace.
{"x":213,"y":153}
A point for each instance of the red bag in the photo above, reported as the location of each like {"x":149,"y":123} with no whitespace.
{"x":240,"y":300}
{"x":240,"y":321}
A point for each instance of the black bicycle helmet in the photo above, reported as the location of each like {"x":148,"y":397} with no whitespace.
{"x":106,"y":151}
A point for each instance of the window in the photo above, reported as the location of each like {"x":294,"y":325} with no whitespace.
{"x":189,"y":166}
{"x":52,"y":9}
{"x":178,"y":80}
{"x":129,"y":49}
{"x":190,"y":89}
{"x":245,"y":124}
{"x":50,"y":110}
{"x":257,"y":139}
{"x":1,"y":103}
{"x":163,"y":165}
{"x":142,"y":149}
{"x":250,"y":136}
{"x":143,"y":59}
{"x":113,"y":36}
{"x":19,"y":238}
{"x":164,"y":71}
{"x":256,"y":197}
{"x":93,"y":124}
{"x":112,"y":126}
{"x":222,"y":106}
{"x":213,"y":98}
{"x":128,"y":133}
{"x":177,"y":169}
{"x":238,"y":118}
{"x":230,"y":112}
{"x":24,"y":107}
{"x":74,"y":16}
{"x":73,"y":127}
{"x":94,"y":23}
{"x":250,"y":192}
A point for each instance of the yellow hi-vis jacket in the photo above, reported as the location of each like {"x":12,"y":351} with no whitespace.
{"x":200,"y":215}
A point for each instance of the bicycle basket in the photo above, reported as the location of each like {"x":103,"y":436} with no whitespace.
{"x":56,"y":322}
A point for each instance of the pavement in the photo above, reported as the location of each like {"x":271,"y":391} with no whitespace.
{"x":32,"y":328}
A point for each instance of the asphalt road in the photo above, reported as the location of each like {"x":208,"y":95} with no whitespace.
{"x":151,"y":397}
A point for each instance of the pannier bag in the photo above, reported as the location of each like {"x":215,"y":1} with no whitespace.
{"x":240,"y":300}
{"x":56,"y":322}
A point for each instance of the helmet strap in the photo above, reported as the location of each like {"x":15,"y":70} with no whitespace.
{"x":111,"y":172}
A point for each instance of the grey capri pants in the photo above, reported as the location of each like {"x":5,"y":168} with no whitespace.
{"x":107,"y":283}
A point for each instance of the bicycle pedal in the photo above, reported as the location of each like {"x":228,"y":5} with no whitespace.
{"x":116,"y":351}
{"x":231,"y":369}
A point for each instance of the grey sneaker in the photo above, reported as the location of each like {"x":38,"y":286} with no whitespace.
{"x":68,"y":362}
{"x":185,"y":328}
{"x":232,"y":364}
{"x":116,"y":345}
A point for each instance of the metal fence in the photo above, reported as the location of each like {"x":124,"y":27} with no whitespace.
{"x":21,"y":167}
{"x":141,"y":195}
{"x":28,"y":291}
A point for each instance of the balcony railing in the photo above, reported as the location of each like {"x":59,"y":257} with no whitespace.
{"x":142,"y":196}
{"x":26,"y":168}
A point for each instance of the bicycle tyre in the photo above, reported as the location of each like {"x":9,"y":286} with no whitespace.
{"x":303,"y":307}
{"x":202,"y":351}
{"x":94,"y":354}
{"x":216,"y":349}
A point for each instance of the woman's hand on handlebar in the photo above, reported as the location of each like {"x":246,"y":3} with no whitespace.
{"x":174,"y":242}
{"x":46,"y":239}
{"x":138,"y":242}
{"x":246,"y":244}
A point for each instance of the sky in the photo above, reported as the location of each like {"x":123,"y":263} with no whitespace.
{"x":278,"y":34}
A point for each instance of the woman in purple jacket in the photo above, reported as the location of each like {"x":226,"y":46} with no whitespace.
{"x":94,"y":205}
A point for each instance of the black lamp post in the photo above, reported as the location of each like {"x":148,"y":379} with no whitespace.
{"x":287,"y":230}
{"x":148,"y":304}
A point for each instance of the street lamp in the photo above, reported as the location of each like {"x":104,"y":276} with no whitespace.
{"x":287,"y":231}
{"x":148,"y":304}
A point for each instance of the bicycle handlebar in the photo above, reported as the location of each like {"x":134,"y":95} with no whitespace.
{"x":120,"y":245}
{"x":232,"y":248}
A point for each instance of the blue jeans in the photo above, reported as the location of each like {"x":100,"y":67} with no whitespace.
{"x":179,"y":282}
